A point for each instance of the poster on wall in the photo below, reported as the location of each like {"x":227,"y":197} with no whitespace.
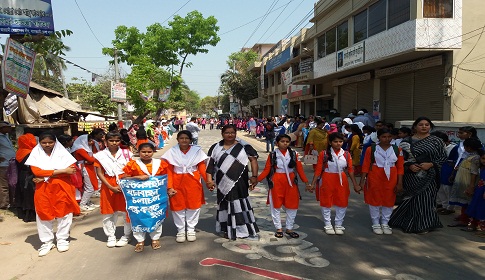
{"x":234,"y":108}
{"x":32,"y":17}
{"x":17,"y":66}
{"x":284,"y":106}
{"x":375,"y":110}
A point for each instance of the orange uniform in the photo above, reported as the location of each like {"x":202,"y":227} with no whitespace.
{"x":82,"y":154}
{"x":110,"y":202}
{"x":332,"y":192}
{"x":133,"y":169}
{"x":55,"y":198}
{"x":190,"y":194}
{"x":380,"y":190}
{"x":282,"y":193}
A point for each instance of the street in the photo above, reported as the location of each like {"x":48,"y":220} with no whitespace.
{"x":447,"y":253}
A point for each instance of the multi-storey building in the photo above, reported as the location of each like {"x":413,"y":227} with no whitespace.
{"x":399,"y":59}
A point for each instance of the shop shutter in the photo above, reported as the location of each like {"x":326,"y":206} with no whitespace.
{"x":347,"y":99}
{"x":365,"y":95}
{"x":428,"y":93}
{"x":398,"y":98}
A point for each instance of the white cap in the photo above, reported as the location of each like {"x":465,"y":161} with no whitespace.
{"x":360,"y":113}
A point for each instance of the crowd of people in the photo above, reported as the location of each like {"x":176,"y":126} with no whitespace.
{"x":417,"y":169}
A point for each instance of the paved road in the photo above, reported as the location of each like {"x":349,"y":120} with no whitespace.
{"x":445,"y":254}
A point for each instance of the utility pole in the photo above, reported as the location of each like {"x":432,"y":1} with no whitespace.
{"x":117,"y":80}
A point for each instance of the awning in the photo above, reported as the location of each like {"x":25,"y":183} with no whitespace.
{"x":257,"y":101}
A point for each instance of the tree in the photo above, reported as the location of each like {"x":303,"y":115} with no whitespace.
{"x":153,"y":53}
{"x":93,"y":97}
{"x":208,"y":105}
{"x":238,"y":81}
{"x":191,"y":34}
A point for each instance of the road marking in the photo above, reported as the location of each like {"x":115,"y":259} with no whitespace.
{"x":250,"y":269}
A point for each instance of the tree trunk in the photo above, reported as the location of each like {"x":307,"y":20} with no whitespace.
{"x":182,"y":65}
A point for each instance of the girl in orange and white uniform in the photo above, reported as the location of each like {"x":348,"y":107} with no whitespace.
{"x":54,"y":197}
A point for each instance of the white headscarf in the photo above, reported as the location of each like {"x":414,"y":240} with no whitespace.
{"x":185,"y":163}
{"x":82,"y":143}
{"x":60,"y":158}
{"x":385,"y":159}
{"x":113,"y":166}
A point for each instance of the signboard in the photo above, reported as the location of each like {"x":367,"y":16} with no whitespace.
{"x":350,"y":56}
{"x":298,"y":90}
{"x":118,"y":92}
{"x":280,"y":59}
{"x":146,"y":202}
{"x":234,"y":108}
{"x":32,"y":17}
{"x":11,"y":105}
{"x":17,"y":66}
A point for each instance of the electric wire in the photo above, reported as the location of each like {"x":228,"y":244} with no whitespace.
{"x":75,"y":1}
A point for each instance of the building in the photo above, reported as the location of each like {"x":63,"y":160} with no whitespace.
{"x":399,"y":59}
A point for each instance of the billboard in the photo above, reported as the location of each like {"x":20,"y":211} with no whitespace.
{"x":32,"y":17}
{"x":17,"y":66}
{"x":280,"y":59}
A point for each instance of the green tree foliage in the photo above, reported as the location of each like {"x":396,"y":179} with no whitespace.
{"x":151,"y":54}
{"x":192,"y":34}
{"x":238,"y":81}
{"x":208,"y":105}
{"x":93,"y":97}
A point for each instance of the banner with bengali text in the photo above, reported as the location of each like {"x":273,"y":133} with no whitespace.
{"x":146,"y":202}
{"x":32,"y":17}
{"x":17,"y":66}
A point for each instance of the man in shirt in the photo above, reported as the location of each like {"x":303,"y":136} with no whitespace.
{"x":194,"y":129}
{"x":6,"y":153}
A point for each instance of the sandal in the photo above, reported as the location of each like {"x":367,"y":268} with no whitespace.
{"x":292,"y":234}
{"x":278,"y":234}
{"x":139,"y":247}
{"x":156,"y":244}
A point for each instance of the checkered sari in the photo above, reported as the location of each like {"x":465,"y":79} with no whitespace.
{"x":229,"y":169}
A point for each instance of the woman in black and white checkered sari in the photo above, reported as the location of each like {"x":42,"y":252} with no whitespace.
{"x":228,"y":166}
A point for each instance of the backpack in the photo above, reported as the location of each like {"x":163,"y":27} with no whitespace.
{"x":373,"y":157}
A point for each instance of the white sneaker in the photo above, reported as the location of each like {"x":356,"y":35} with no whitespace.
{"x":191,"y":236}
{"x":329,"y":230}
{"x":180,"y":237}
{"x":62,"y":246}
{"x":86,"y":208}
{"x":92,"y":205}
{"x":123,"y":241}
{"x":46,"y":248}
{"x":386,"y":229}
{"x":377,"y":229}
{"x":339,"y":230}
{"x":111,"y":242}
{"x":97,"y":194}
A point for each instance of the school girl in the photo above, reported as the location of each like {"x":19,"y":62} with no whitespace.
{"x":334,"y":185}
{"x":82,"y":150}
{"x":109,"y":165}
{"x":280,"y":171}
{"x":476,"y":209}
{"x":382,"y":173}
{"x":142,"y":169}
{"x":54,"y":197}
{"x":186,"y":169}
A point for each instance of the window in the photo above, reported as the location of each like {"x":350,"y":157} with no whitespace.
{"x":360,"y":27}
{"x":399,"y":12}
{"x":279,"y":77}
{"x":330,"y":38}
{"x":343,"y":35}
{"x":321,"y":46}
{"x":438,"y":8}
{"x":377,"y":17}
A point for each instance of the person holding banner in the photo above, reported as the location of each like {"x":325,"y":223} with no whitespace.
{"x":228,"y":166}
{"x":151,"y":217}
{"x":186,"y":168}
{"x":109,"y":165}
{"x":54,"y":196}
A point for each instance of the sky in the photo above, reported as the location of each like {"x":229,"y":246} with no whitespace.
{"x":237,"y":21}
